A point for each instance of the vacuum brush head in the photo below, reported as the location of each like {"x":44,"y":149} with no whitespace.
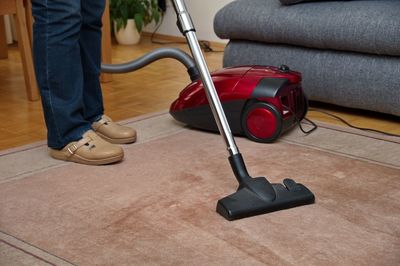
{"x":247,"y":201}
{"x":257,"y":195}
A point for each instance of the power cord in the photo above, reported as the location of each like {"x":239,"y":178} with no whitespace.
{"x":352,"y":126}
{"x":206,"y":47}
{"x":309,"y":121}
{"x":299,"y":122}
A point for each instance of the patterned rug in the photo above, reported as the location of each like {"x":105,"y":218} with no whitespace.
{"x":157,"y":207}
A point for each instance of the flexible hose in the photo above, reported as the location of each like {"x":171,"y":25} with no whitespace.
{"x":149,"y":58}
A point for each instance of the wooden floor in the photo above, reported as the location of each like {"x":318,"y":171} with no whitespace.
{"x":148,"y":90}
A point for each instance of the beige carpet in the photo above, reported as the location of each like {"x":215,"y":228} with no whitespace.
{"x":157,"y":207}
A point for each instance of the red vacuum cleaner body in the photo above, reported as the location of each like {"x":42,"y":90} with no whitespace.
{"x":260,"y":102}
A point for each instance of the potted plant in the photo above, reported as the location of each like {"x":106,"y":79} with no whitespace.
{"x":128,"y":18}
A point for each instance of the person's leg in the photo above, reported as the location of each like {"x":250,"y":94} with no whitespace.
{"x":90,"y":45}
{"x":58,"y":66}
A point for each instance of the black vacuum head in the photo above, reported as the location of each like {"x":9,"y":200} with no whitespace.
{"x":246,"y":202}
{"x":257,"y":195}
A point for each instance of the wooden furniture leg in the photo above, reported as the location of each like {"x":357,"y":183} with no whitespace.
{"x":24,"y":45}
{"x":3,"y":40}
{"x":29,"y":18}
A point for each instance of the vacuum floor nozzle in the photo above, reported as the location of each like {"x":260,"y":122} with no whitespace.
{"x":258,"y":196}
{"x":246,"y":202}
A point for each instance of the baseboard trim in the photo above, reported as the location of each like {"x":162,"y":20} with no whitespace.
{"x":164,"y":37}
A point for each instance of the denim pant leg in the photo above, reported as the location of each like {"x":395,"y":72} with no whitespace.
{"x":57,"y":58}
{"x":90,"y":44}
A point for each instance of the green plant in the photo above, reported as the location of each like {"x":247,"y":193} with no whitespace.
{"x":142,"y":11}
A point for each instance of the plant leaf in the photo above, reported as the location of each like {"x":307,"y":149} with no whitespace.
{"x":142,"y":11}
{"x":139,"y":22}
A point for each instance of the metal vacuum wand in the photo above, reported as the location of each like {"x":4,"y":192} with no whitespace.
{"x":254,"y":195}
{"x":186,"y":26}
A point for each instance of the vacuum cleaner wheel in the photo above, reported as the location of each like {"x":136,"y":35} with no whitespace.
{"x":261,"y":122}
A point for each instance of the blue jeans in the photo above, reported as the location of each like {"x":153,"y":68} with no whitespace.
{"x":67,"y":57}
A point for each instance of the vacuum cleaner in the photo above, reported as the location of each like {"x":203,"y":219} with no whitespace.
{"x":260,"y":102}
{"x":254,"y":196}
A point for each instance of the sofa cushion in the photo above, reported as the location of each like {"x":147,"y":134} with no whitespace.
{"x":360,"y":26}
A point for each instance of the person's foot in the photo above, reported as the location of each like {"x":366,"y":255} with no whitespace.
{"x":91,"y":149}
{"x":113,"y":132}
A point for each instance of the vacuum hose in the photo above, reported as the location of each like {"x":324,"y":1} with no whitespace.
{"x":155,"y":55}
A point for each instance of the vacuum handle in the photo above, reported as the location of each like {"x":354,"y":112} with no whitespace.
{"x":186,"y":26}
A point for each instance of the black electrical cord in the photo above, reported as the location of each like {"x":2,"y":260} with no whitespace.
{"x":352,"y":126}
{"x":206,"y":47}
{"x":299,"y":122}
{"x":309,"y":121}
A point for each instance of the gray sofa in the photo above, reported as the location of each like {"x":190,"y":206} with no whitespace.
{"x":347,"y":51}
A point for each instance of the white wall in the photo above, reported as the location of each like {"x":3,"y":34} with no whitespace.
{"x":202,"y":13}
{"x":10,"y":29}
